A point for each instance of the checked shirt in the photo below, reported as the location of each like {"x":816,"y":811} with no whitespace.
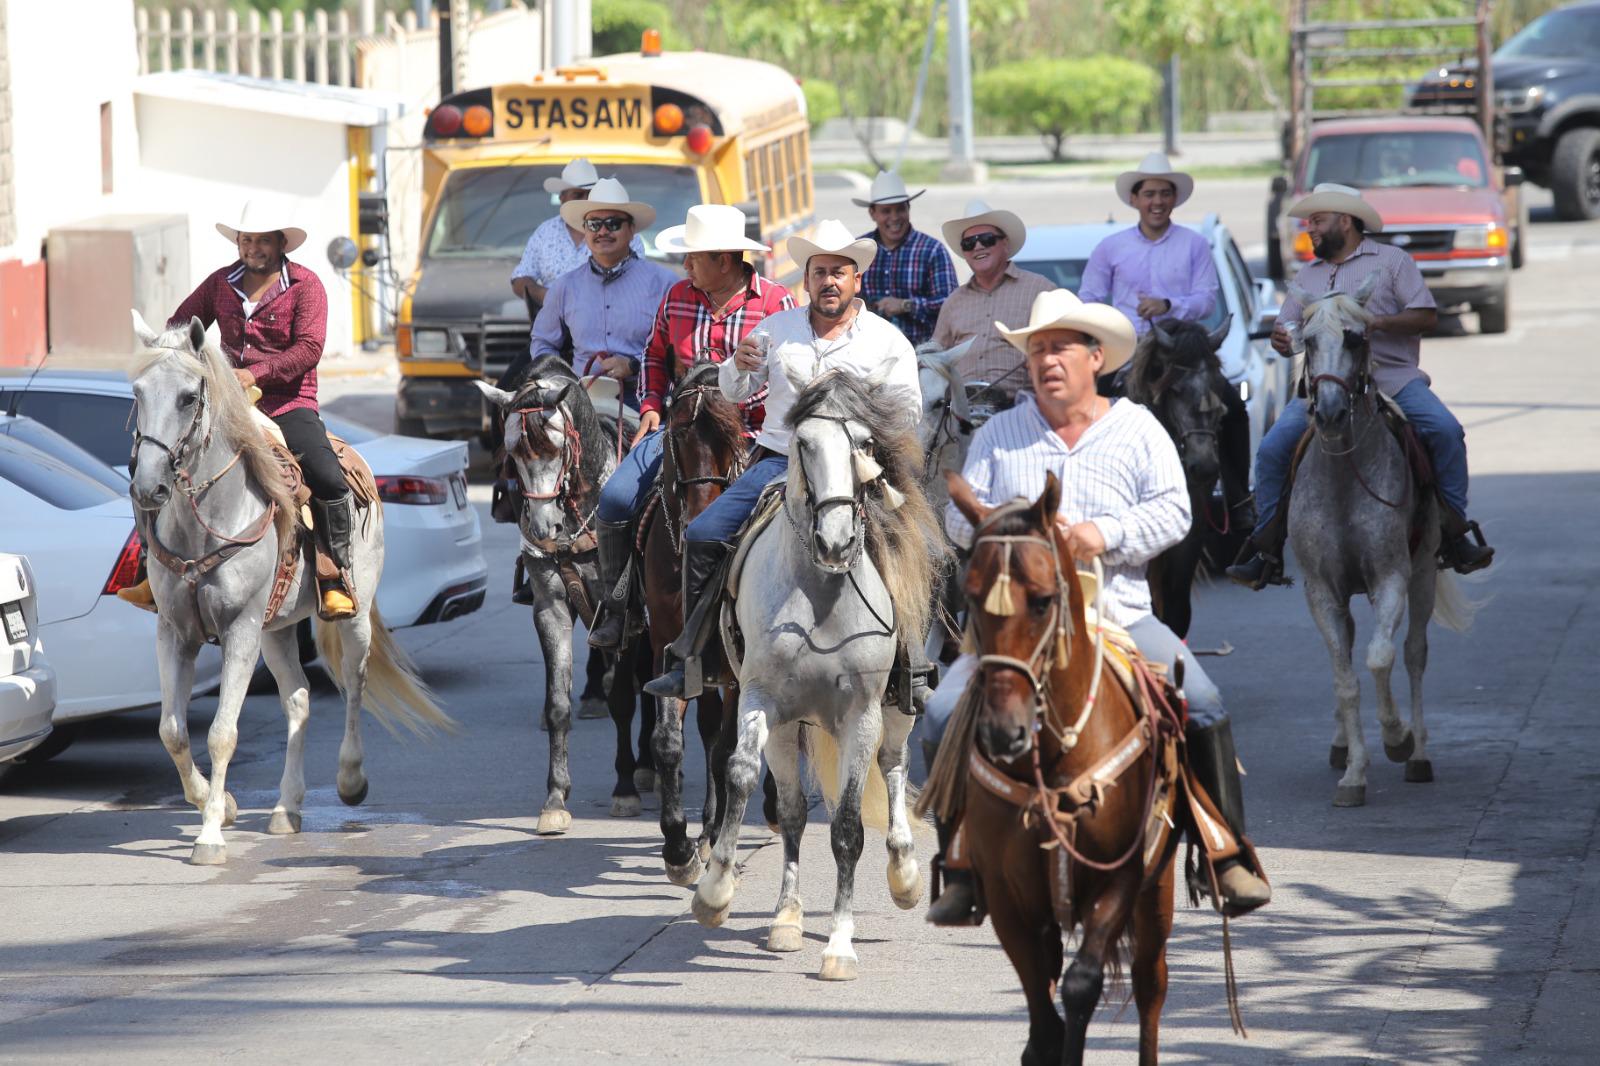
{"x":920,"y":270}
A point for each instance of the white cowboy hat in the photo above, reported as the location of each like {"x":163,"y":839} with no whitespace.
{"x":607,"y":195}
{"x":710,"y":228}
{"x":260,"y":216}
{"x":981,"y":214}
{"x":1155,"y":165}
{"x":887,"y":188}
{"x":1341,"y":199}
{"x":1060,"y":309}
{"x":833,"y":238}
{"x":578,"y":174}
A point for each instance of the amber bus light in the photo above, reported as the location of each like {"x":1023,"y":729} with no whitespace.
{"x":669,"y":119}
{"x":477,"y":121}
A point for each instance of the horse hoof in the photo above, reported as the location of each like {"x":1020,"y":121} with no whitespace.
{"x":1339,"y":756}
{"x":1402,"y":751}
{"x":230,"y":809}
{"x":208,"y":855}
{"x":644,"y":780}
{"x":785,"y":937}
{"x":625,"y":806}
{"x":1350,"y":796}
{"x":283,"y":823}
{"x":906,"y":891}
{"x":593,"y":707}
{"x":707,"y":915}
{"x":839,"y":968}
{"x":1419,"y":771}
{"x":553,"y":822}
{"x":355,"y":797}
{"x":686,"y":875}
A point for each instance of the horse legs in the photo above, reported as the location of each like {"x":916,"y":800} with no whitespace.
{"x":1332,"y":615}
{"x":1081,"y":985}
{"x":552,"y":619}
{"x":622,"y":701}
{"x":593,"y":702}
{"x":708,"y":716}
{"x":1419,"y":768}
{"x":1152,"y":925}
{"x":783,"y":759}
{"x":241,"y":643}
{"x":1388,"y":606}
{"x":281,"y":649}
{"x":175,"y":662}
{"x":905,"y":879}
{"x":714,"y":894}
{"x":839,"y":957}
{"x":644,"y":772}
{"x":1034,"y":949}
{"x":356,"y":647}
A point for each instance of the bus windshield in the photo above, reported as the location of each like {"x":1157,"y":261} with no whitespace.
{"x":491,"y":211}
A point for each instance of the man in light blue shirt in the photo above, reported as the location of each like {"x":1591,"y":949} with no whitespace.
{"x":555,"y":247}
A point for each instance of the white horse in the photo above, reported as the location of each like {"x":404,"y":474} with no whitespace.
{"x":215,"y":513}
{"x":945,"y":431}
{"x":828,"y":591}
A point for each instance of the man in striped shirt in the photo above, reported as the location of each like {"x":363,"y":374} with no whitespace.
{"x":1123,"y":500}
{"x":911,"y":274}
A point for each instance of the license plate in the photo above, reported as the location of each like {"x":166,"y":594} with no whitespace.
{"x":16,"y":625}
{"x":458,"y":489}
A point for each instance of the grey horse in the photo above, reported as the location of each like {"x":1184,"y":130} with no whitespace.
{"x":212,"y":505}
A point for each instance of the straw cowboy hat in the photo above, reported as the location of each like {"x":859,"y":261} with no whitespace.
{"x":833,"y":238}
{"x":264,"y":217}
{"x":887,"y":188}
{"x":981,"y":214}
{"x":578,"y":174}
{"x":1155,"y":165}
{"x":1060,"y":309}
{"x":607,"y":195}
{"x":710,"y":228}
{"x":1341,"y":199}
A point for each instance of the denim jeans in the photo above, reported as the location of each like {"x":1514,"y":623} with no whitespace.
{"x":720,"y":522}
{"x":623,"y":495}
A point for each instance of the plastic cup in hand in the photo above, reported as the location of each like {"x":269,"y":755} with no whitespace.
{"x":1297,"y":343}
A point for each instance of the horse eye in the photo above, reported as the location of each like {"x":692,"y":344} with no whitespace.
{"x":186,"y":399}
{"x":1039,"y":606}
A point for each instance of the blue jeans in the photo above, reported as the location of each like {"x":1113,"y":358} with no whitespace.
{"x":623,"y":495}
{"x":1445,"y":439}
{"x":721,"y":521}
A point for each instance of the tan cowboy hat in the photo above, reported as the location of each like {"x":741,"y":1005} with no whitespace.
{"x":1155,"y":165}
{"x":607,"y":195}
{"x":259,"y":216}
{"x":710,"y":228}
{"x":578,"y":174}
{"x":833,"y":238}
{"x":887,"y":188}
{"x":981,"y":214}
{"x":1341,"y":199}
{"x":1060,"y":309}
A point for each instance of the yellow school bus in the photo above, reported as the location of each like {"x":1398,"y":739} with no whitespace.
{"x":676,"y":128}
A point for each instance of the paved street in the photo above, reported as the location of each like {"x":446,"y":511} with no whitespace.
{"x":1456,"y":922}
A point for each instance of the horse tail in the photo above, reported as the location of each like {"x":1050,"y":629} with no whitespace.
{"x":822,"y":758}
{"x":1451,"y":607}
{"x":393,"y":694}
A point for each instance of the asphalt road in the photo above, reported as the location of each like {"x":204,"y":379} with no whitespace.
{"x":1456,"y":922}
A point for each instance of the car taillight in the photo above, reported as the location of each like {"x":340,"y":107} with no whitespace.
{"x":126,"y":573}
{"x":408,"y":489}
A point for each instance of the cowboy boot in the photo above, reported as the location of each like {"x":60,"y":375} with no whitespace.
{"x":1260,"y":563}
{"x":139,"y":593}
{"x":1216,"y":766}
{"x":336,"y":519}
{"x":702,"y":561}
{"x":914,"y":673}
{"x":957,"y":902}
{"x":616,"y":549}
{"x":521,"y":587}
{"x":1461,"y":545}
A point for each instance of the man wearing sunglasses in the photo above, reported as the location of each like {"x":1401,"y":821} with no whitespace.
{"x":556,"y":247}
{"x":998,"y":291}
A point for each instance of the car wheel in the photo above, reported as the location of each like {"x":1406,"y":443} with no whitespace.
{"x":1575,"y":175}
{"x":1495,"y":316}
{"x":59,"y":740}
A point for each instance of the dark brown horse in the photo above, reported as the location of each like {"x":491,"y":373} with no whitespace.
{"x":1063,"y":791}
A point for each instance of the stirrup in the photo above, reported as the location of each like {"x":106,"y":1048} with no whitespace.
{"x":1450,"y":557}
{"x":336,"y":603}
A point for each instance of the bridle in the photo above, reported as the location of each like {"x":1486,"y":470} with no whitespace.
{"x":695,"y":395}
{"x":950,"y":426}
{"x":1357,"y":389}
{"x":857,"y":501}
{"x":571,"y":459}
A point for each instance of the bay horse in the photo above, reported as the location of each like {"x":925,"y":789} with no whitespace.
{"x":215,"y":510}
{"x":1359,"y":524}
{"x":1175,"y":372}
{"x":564,"y":454}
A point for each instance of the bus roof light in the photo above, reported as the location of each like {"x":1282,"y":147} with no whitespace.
{"x":445,"y":121}
{"x":650,"y":43}
{"x":477,"y":121}
{"x":669,"y":120}
{"x":698,"y":139}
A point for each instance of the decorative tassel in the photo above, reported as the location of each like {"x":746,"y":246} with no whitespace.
{"x":893,"y":498}
{"x":1062,"y":651}
{"x":867,"y":468}
{"x":998,"y":602}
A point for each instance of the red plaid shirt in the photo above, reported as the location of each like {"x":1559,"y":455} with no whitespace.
{"x":280,"y":343}
{"x":688,"y":328}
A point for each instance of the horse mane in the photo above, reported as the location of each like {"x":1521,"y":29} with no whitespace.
{"x":718,"y":414}
{"x":1154,"y":366}
{"x":906,"y":543}
{"x":554,"y":372}
{"x":232,"y":417}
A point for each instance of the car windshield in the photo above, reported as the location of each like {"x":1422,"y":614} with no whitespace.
{"x":51,"y":480}
{"x":1398,"y":159}
{"x":1572,"y":33}
{"x":487,"y":212}
{"x":52,"y":443}
{"x":96,"y":423}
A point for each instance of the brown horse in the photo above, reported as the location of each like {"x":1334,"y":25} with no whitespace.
{"x":1080,"y":852}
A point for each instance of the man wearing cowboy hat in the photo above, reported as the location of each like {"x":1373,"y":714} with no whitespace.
{"x":272,"y":315}
{"x":835,"y":331}
{"x":1123,"y":500}
{"x":1339,"y":220}
{"x":998,"y":291}
{"x":703,"y":317}
{"x":912,"y":274}
{"x":555,"y":247}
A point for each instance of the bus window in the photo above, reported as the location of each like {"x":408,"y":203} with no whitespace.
{"x":791,"y":170}
{"x":780,"y":178}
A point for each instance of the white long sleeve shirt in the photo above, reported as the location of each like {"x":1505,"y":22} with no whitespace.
{"x":1124,"y":475}
{"x":867,"y":345}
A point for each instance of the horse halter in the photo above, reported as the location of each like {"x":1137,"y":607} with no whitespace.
{"x":571,"y":457}
{"x":186,"y":444}
{"x":857,"y":500}
{"x":950,"y":425}
{"x":696,"y":395}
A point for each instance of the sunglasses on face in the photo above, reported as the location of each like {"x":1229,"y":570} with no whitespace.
{"x":987,"y":240}
{"x":610,"y":225}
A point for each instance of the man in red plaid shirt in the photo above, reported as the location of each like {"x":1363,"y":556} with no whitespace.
{"x":702,"y":318}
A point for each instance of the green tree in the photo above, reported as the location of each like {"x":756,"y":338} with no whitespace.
{"x":822,"y":100}
{"x":617,"y":25}
{"x":1059,"y":97}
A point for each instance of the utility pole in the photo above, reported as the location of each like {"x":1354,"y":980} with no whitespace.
{"x":1170,"y":111}
{"x":563,"y":24}
{"x":447,"y":54}
{"x":963,"y":165}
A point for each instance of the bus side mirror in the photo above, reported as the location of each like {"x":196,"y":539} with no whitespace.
{"x":752,"y":220}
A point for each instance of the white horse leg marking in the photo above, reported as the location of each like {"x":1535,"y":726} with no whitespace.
{"x":839,"y":961}
{"x":1333,"y":618}
{"x":783,"y":758}
{"x":240,"y":646}
{"x":357,"y":633}
{"x":714,"y":894}
{"x":175,"y":663}
{"x":281,"y":649}
{"x":552,"y":621}
{"x":905,"y":879}
{"x":1389,"y":608}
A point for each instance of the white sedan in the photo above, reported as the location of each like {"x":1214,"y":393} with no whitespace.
{"x":27,"y":682}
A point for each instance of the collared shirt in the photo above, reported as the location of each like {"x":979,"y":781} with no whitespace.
{"x":868,"y":343}
{"x":1124,"y":475}
{"x":971,"y":312}
{"x":919,"y":270}
{"x":279,"y":342}
{"x":1128,"y":266}
{"x":603,"y":312}
{"x":1396,"y":357}
{"x":551,"y":252}
{"x":688,"y":329}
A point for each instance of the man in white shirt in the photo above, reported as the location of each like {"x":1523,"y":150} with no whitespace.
{"x":834,"y":331}
{"x":1122,"y":499}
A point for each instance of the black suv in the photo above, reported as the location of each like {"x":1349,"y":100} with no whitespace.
{"x":1547,"y":93}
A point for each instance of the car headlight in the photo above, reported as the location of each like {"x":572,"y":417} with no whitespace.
{"x":1490,"y":238}
{"x":430,"y":342}
{"x":1517,"y":100}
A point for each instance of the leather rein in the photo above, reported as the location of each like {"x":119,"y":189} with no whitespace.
{"x":583,"y":539}
{"x":1357,"y":389}
{"x":696,"y":396}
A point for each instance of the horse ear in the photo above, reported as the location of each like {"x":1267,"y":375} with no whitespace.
{"x":1162,"y":336}
{"x":797,"y":380}
{"x":498,"y":397}
{"x":1049,"y":501}
{"x":965,"y":499}
{"x":197,"y":335}
{"x":561,"y":396}
{"x":1301,"y":296}
{"x":1365,"y":290}
{"x":142,"y":330}
{"x":1220,"y":334}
